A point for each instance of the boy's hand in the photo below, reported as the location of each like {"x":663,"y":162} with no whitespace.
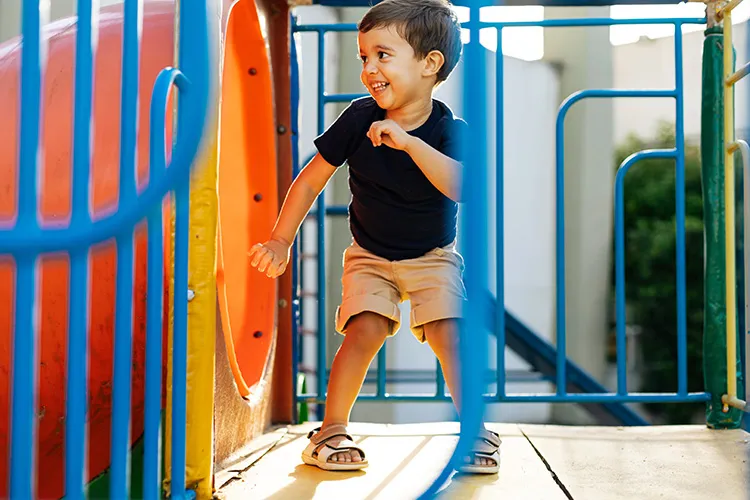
{"x":389,"y":133}
{"x":270,"y":257}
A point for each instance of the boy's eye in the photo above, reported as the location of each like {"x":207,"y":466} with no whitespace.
{"x":382,"y":55}
{"x":363,"y":58}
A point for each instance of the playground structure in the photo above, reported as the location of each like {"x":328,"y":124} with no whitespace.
{"x":221,"y":340}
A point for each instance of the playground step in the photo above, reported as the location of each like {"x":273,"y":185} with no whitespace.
{"x":538,"y":462}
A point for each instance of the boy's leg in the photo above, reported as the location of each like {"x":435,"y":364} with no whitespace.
{"x":367,"y":316}
{"x":434,"y":284}
{"x":365,"y":334}
{"x":442,"y":336}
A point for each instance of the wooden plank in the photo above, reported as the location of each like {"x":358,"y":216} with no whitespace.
{"x":616,"y":463}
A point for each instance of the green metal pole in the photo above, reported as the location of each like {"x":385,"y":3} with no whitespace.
{"x":712,"y":156}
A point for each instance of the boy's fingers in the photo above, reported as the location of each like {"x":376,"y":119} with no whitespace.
{"x":257,"y":255}
{"x":265,"y":261}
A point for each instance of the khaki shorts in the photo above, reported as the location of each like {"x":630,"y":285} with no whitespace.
{"x":433,"y":283}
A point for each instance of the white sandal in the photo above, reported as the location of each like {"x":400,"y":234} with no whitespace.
{"x":487,"y":446}
{"x":320,"y":450}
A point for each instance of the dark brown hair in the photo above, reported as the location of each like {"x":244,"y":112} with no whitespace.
{"x":426,"y":25}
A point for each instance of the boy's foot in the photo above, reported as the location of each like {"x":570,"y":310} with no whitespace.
{"x":485,"y":457}
{"x":333,"y":449}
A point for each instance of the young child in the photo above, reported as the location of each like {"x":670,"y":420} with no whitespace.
{"x":401,"y":146}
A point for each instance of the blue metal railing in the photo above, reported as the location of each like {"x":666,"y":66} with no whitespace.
{"x":26,"y":241}
{"x":561,"y":364}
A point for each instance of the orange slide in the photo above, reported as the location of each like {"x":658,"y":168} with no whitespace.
{"x":247,"y":209}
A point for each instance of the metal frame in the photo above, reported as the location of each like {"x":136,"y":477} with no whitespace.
{"x":26,"y":241}
{"x":562,"y":365}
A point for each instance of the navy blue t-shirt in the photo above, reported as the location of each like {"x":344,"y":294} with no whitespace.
{"x":395,"y":211}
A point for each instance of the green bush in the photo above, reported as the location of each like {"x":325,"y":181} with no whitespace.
{"x":651,"y":269}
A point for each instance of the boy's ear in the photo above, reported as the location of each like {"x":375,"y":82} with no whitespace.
{"x":432,"y":63}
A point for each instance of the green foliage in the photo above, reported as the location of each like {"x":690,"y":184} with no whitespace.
{"x":651,"y":269}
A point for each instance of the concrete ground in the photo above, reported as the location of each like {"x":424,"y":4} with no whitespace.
{"x":537,"y":462}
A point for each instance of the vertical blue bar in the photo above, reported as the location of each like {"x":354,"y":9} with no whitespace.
{"x":23,"y":422}
{"x":622,"y":383}
{"x":75,"y":424}
{"x":321,"y":219}
{"x":294,"y":127}
{"x":382,"y":361}
{"x":154,"y":315}
{"x":439,"y":380}
{"x":682,"y":388}
{"x":119,"y":486}
{"x":179,"y":343}
{"x":560,"y":253}
{"x":475,"y":243}
{"x":500,"y":215}
{"x":25,"y":355}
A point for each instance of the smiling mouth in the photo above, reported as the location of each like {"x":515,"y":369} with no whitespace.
{"x":379,"y":88}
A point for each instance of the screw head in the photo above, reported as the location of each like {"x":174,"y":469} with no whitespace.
{"x":258,"y":197}
{"x":258,"y":334}
{"x":252,"y":71}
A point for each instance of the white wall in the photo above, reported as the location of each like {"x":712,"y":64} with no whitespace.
{"x":650,"y":64}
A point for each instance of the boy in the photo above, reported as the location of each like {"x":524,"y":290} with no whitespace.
{"x":404,"y":173}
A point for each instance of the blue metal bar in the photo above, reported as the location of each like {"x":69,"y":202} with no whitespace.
{"x":321,"y":237}
{"x":341,"y":97}
{"x":682,"y":371}
{"x":473,"y":331}
{"x":439,"y":380}
{"x":294,"y":128}
{"x":120,"y":481}
{"x":75,"y":423}
{"x":622,"y":387}
{"x":382,"y":362}
{"x":179,"y":341}
{"x":324,"y":28}
{"x":544,"y":23}
{"x":23,"y":423}
{"x":154,"y":315}
{"x":560,"y":208}
{"x":154,"y":312}
{"x":119,"y":485}
{"x":500,"y":213}
{"x":545,"y":398}
{"x":590,"y":21}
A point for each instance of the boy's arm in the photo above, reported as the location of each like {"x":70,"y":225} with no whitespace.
{"x":441,"y":170}
{"x":272,"y":257}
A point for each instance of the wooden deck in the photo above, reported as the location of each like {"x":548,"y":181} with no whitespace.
{"x":538,"y":463}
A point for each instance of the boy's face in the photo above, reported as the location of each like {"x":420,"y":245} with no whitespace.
{"x":390,"y":70}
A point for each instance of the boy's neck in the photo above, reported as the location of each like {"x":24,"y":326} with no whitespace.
{"x":413,"y":114}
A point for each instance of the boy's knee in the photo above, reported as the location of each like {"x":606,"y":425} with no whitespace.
{"x":442,"y":335}
{"x":368,"y":330}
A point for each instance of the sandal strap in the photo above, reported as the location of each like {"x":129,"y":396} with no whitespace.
{"x":490,"y":438}
{"x":320,"y":436}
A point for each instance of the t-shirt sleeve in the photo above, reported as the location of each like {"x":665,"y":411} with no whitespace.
{"x":452,"y":136}
{"x":342,"y":138}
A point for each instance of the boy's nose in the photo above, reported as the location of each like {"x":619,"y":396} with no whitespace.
{"x":370,"y":68}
